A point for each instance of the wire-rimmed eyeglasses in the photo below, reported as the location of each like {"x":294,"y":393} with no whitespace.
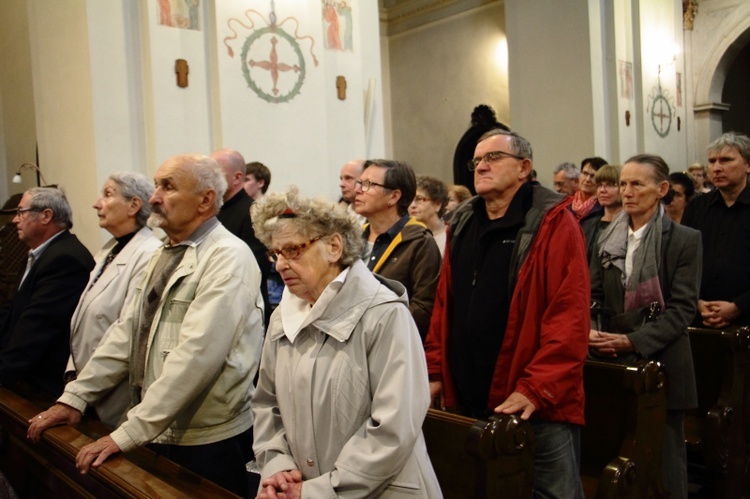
{"x":21,"y":211}
{"x":491,"y":158}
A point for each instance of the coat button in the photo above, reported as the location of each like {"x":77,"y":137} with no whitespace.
{"x":310,"y":462}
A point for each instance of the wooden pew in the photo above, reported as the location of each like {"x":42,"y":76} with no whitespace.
{"x":717,"y":433}
{"x":47,"y":469}
{"x":622,"y":442}
{"x":481,"y":458}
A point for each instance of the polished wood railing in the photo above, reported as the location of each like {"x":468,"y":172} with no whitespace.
{"x":47,"y":469}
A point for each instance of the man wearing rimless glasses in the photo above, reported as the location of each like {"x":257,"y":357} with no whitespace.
{"x":509,"y":331}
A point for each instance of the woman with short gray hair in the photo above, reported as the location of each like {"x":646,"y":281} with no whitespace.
{"x":343,"y":376}
{"x":123,"y":209}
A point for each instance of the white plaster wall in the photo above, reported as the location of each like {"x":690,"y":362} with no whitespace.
{"x":661,"y":39}
{"x":64,"y":115}
{"x":17,"y":119}
{"x":626,"y":134}
{"x":438,"y":74}
{"x":550,"y":69}
{"x":306,"y":140}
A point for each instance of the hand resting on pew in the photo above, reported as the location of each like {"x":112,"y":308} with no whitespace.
{"x":609,"y":344}
{"x":93,"y":454}
{"x":517,"y":402}
{"x":436,"y":395}
{"x":58,"y":414}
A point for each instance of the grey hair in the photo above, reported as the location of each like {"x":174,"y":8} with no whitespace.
{"x":518,"y":145}
{"x":310,"y":218}
{"x":732,"y":139}
{"x":208,"y":176}
{"x":571,"y":170}
{"x":135,"y":185}
{"x":54,"y":199}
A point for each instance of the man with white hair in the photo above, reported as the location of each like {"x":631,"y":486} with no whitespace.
{"x":565,"y":178}
{"x":190,"y":344}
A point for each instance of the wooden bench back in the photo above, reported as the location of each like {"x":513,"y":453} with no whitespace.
{"x":478,"y":459}
{"x":718,"y":431}
{"x":622,"y":442}
{"x":47,"y":469}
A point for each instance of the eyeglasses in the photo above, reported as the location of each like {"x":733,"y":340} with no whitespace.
{"x":421,"y":199}
{"x":364,"y":185}
{"x":588,"y":174}
{"x":290,"y":252}
{"x":21,"y":211}
{"x":491,"y":158}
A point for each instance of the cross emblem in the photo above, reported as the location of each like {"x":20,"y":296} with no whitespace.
{"x":273,"y":65}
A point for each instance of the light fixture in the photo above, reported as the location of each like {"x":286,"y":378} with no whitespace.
{"x":32,"y":166}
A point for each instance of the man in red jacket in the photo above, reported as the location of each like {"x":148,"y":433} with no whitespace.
{"x":509,"y":331}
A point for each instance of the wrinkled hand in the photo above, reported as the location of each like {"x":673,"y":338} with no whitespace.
{"x":609,"y":344}
{"x":517,"y":402}
{"x":436,"y":395}
{"x":282,"y":485}
{"x":95,"y":454}
{"x":718,"y":314}
{"x":56,"y":415}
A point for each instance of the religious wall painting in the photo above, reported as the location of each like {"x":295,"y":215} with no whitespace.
{"x":272,"y":59}
{"x":626,"y":79}
{"x":661,"y":109}
{"x":337,"y":25}
{"x":183,"y":14}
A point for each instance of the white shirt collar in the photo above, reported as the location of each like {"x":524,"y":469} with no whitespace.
{"x":296,"y":313}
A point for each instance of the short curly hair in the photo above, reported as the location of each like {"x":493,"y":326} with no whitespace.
{"x":310,"y":218}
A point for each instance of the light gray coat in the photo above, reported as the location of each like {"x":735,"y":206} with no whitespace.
{"x":344,"y":404}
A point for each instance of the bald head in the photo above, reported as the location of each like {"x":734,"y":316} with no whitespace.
{"x":350,"y":173}
{"x":233,"y":166}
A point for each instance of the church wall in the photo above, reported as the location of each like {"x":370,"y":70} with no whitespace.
{"x":306,"y":139}
{"x":64,"y":113}
{"x":661,"y":80}
{"x":438,"y":73}
{"x":105,"y":95}
{"x":17,"y":119}
{"x":721,"y":30}
{"x":551,"y":103}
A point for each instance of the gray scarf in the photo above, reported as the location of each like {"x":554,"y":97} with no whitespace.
{"x":643,"y":288}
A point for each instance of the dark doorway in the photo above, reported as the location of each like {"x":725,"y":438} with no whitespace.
{"x":736,"y":93}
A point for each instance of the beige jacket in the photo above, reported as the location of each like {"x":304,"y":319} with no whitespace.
{"x":202,"y":353}
{"x":344,"y":404}
{"x":101,"y":304}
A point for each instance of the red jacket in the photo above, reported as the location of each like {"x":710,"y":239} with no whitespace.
{"x":546,"y":339}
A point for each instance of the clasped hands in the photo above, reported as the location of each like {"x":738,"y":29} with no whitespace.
{"x":93,"y":454}
{"x":609,"y":344}
{"x":718,"y":314}
{"x":282,"y":485}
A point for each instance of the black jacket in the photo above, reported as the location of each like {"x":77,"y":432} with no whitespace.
{"x":35,"y":325}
